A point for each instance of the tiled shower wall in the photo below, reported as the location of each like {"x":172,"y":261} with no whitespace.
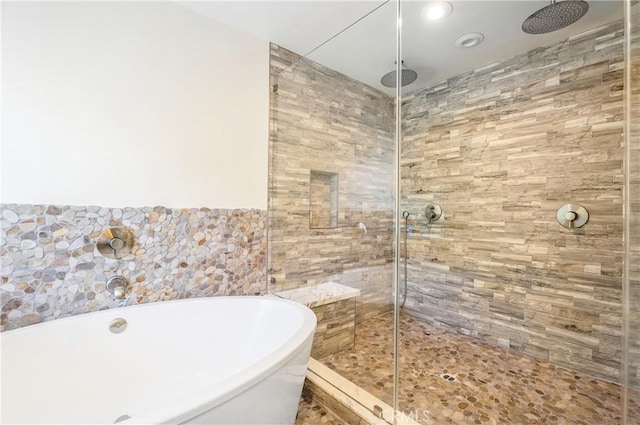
{"x":324,"y":123}
{"x":501,"y":149}
{"x":52,"y":269}
{"x":633,"y":303}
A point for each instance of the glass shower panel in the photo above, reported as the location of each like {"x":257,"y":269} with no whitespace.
{"x":513,"y":308}
{"x":332,"y":193}
{"x":631,"y":328}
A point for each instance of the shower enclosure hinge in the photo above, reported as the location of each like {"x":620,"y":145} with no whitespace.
{"x":275,"y":88}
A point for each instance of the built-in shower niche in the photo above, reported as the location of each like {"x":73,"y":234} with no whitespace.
{"x":323,"y":199}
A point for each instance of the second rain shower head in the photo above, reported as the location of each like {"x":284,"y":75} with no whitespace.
{"x":556,"y":16}
{"x":407,"y":77}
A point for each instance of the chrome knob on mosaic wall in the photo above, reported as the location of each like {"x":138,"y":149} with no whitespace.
{"x":117,"y":286}
{"x":115,"y":242}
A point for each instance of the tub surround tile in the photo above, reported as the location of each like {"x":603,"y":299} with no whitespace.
{"x":52,"y":269}
{"x":501,"y":149}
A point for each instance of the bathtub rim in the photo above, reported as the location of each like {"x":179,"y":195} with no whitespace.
{"x":205,"y":397}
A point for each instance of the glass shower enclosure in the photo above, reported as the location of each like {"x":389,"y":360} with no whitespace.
{"x":631,"y":279}
{"x":332,"y":193}
{"x":469,"y":242}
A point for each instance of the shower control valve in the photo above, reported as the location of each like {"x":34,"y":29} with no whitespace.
{"x":432,"y":212}
{"x":115,"y":242}
{"x":572,"y":216}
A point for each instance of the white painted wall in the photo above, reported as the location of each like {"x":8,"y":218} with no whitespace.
{"x":131,"y":104}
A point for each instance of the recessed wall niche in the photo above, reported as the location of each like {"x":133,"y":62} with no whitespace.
{"x":323,"y":199}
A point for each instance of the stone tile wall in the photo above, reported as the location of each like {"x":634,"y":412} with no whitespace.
{"x":375,"y":285}
{"x":323,"y":121}
{"x":633,"y":191}
{"x":52,"y":269}
{"x":336,"y":330}
{"x":501,"y":149}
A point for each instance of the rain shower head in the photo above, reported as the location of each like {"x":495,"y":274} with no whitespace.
{"x":555,"y":16}
{"x":407,"y":77}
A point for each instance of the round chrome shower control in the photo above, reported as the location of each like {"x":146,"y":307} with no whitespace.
{"x":115,"y":242}
{"x":572,"y":216}
{"x":432,"y":212}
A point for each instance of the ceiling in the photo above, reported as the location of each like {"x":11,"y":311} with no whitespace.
{"x":358,"y":38}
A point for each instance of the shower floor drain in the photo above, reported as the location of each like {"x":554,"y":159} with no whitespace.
{"x":448,"y":377}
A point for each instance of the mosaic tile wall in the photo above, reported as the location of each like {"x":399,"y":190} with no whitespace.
{"x":325,"y":122}
{"x":501,"y":149}
{"x":52,"y":269}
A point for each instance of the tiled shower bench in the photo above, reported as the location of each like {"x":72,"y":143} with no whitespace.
{"x":335,"y":307}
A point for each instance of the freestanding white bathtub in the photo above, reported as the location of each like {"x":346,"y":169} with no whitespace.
{"x":223,"y":360}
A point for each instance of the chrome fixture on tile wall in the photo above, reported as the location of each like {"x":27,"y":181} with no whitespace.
{"x":432,"y":212}
{"x":362,"y":227}
{"x":115,"y":242}
{"x":117,"y":286}
{"x":572,"y":216}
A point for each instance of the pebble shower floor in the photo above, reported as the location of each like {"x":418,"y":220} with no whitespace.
{"x":447,"y":378}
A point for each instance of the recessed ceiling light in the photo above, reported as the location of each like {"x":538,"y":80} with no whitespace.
{"x":470,"y":40}
{"x":436,"y":10}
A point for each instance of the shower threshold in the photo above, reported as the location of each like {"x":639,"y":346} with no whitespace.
{"x":346,"y":401}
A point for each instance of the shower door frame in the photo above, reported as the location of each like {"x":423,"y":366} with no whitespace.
{"x":630,"y":216}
